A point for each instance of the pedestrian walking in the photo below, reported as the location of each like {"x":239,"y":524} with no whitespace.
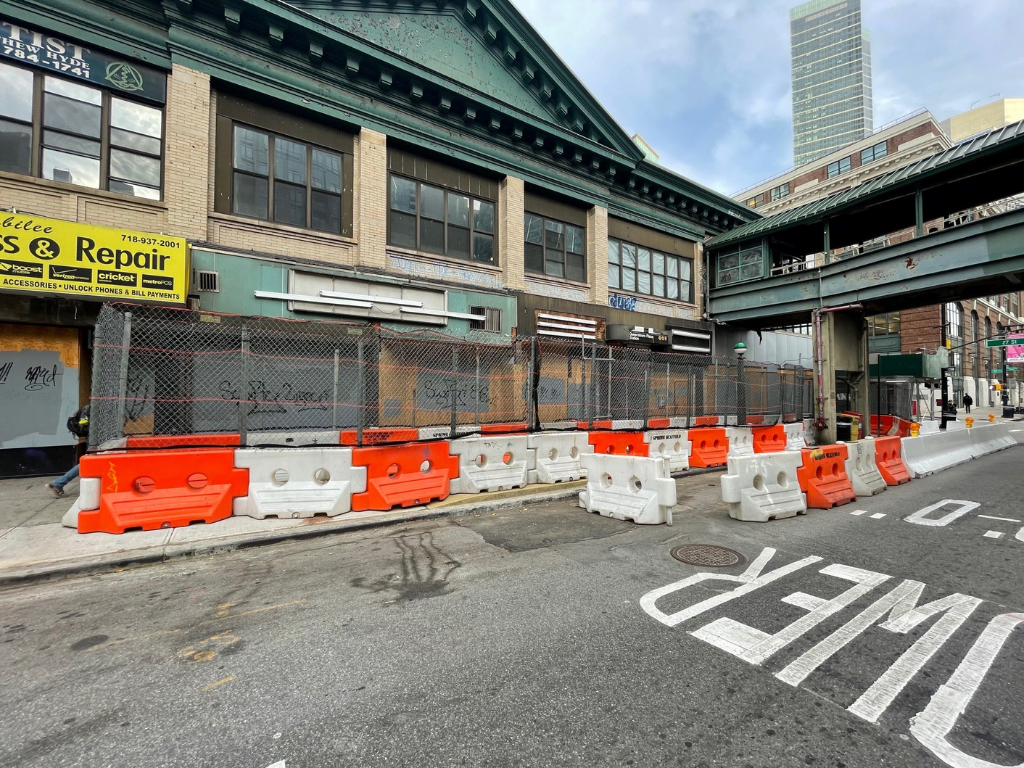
{"x":78,"y":425}
{"x":968,"y":402}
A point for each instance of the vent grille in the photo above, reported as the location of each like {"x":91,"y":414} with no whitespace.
{"x":490,"y":319}
{"x":208,"y":281}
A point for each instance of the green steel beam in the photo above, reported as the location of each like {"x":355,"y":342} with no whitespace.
{"x":945,"y":264}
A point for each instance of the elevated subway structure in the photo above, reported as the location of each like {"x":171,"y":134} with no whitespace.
{"x":945,"y":228}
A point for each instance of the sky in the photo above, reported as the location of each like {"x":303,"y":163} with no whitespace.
{"x":707,"y":82}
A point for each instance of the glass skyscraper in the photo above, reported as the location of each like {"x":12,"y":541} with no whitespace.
{"x":831,"y":77}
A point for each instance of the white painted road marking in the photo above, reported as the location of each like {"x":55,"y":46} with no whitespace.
{"x":878,"y":515}
{"x":935,"y":722}
{"x":993,"y":534}
{"x":920,"y":518}
{"x":859,"y":512}
{"x":754,"y":646}
{"x":749,"y":580}
{"x":933,"y":725}
{"x":1003,"y":519}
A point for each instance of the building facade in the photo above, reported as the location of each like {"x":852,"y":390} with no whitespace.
{"x":987,"y":117}
{"x":831,"y":63}
{"x":414,"y":165}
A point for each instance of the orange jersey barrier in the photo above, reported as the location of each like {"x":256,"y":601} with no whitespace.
{"x":705,"y":421}
{"x":709,"y":447}
{"x":165,"y":489}
{"x":823,"y":477}
{"x":889,"y":460}
{"x":377,"y":436}
{"x":769,"y":439}
{"x":891,"y":426}
{"x":618,"y":443}
{"x":503,"y":429}
{"x":659,"y":423}
{"x":404,"y":475}
{"x":182,"y":441}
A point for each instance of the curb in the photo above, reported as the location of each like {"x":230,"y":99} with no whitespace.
{"x":453,"y":506}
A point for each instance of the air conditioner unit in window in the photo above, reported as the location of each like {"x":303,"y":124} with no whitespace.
{"x":490,"y":319}
{"x":207,"y":281}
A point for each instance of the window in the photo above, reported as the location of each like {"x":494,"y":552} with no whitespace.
{"x":436,"y":220}
{"x":838,"y":167}
{"x":83,"y":135}
{"x":885,"y":324}
{"x":490,"y":319}
{"x":753,"y":202}
{"x":637,"y":269}
{"x":744,"y":263}
{"x":954,"y":320}
{"x":876,"y":152}
{"x":555,"y":248}
{"x":280,"y":179}
{"x":780,"y":191}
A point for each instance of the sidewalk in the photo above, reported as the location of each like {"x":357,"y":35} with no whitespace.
{"x":33,"y":543}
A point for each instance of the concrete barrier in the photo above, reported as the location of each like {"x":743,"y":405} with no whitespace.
{"x":862,"y":469}
{"x":936,"y":451}
{"x":555,"y":457}
{"x":990,"y":438}
{"x":636,"y":488}
{"x":762,"y":487}
{"x":795,"y":436}
{"x":490,"y":463}
{"x":671,"y":445}
{"x":741,"y":441}
{"x":298,"y":482}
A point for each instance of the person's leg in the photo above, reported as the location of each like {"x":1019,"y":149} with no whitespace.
{"x":57,"y":486}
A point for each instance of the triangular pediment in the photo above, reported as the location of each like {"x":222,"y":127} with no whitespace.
{"x":485,"y":46}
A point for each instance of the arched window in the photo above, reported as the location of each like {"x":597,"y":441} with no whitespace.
{"x":976,"y":338}
{"x":988,"y":334}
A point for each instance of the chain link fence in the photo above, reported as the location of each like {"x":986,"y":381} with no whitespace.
{"x":165,"y":376}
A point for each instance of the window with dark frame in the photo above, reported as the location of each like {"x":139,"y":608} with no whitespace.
{"x":741,"y":264}
{"x":277,"y":178}
{"x":490,"y":319}
{"x":877,"y":152}
{"x":433,"y":219}
{"x":839,"y":167}
{"x":638,"y":269}
{"x":82,"y":135}
{"x":554,"y":248}
{"x":780,"y":191}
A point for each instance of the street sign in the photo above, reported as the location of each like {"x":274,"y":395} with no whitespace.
{"x":1002,"y":342}
{"x":997,"y":370}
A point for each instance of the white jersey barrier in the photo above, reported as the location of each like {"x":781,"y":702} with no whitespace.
{"x":298,"y":439}
{"x":810,"y":435}
{"x":861,"y":468}
{"x":555,"y":457}
{"x":741,"y":441}
{"x":671,"y":445}
{"x":490,"y":463}
{"x":990,"y":438}
{"x":636,"y":488}
{"x":935,"y":452}
{"x":764,"y":487}
{"x":298,"y":482}
{"x":794,"y":436}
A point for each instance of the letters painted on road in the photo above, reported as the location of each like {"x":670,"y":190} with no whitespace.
{"x":932,"y":726}
{"x":921,"y":516}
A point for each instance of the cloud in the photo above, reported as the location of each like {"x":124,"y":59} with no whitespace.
{"x":707,"y":82}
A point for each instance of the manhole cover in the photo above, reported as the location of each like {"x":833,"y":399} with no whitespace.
{"x":706,"y":554}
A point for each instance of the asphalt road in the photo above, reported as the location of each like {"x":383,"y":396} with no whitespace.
{"x":518,"y":638}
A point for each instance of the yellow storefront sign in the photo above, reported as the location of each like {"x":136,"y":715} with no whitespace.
{"x":53,"y":256}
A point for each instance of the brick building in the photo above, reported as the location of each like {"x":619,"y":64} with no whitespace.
{"x":425,"y":164}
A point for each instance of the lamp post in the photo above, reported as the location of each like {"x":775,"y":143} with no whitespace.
{"x":741,"y":393}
